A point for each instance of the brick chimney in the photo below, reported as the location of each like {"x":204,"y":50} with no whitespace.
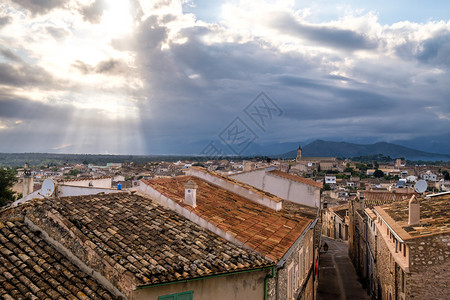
{"x":190,"y":193}
{"x":414,"y":211}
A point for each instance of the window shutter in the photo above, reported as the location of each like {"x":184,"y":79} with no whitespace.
{"x":185,"y":296}
{"x":170,"y":297}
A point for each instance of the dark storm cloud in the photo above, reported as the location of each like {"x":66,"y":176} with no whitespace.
{"x":10,"y":55}
{"x":24,"y":75}
{"x":93,"y":13}
{"x":14,"y":107}
{"x":57,"y":33}
{"x":5,"y":21}
{"x":436,"y":50}
{"x":325,"y":35}
{"x":109,"y":67}
{"x":41,"y":6}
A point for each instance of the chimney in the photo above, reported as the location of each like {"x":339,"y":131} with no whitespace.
{"x":414,"y":211}
{"x":190,"y":193}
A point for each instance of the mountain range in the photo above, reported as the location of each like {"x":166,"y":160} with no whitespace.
{"x":348,"y":150}
{"x":323,"y":148}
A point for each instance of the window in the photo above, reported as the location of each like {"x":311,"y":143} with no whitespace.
{"x":306,"y":261}
{"x":301,"y":265}
{"x":290,"y":285}
{"x":403,"y":281}
{"x":178,"y":296}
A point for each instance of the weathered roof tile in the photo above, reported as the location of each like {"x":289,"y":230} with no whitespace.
{"x":156,"y":245}
{"x":26,"y":273}
{"x":249,"y":222}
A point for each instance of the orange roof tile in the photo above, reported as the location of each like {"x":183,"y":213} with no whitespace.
{"x":434,"y":216}
{"x":85,"y":178}
{"x":267,"y":231}
{"x":376,"y":198}
{"x":297,"y":178}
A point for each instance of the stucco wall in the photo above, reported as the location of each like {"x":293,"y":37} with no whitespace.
{"x":282,"y":187}
{"x":67,"y":190}
{"x":247,"y":286}
{"x":100,"y":183}
{"x":237,"y":189}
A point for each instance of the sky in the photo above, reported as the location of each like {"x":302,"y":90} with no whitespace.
{"x":156,"y":77}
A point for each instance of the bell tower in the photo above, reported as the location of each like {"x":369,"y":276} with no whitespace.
{"x":299,"y":154}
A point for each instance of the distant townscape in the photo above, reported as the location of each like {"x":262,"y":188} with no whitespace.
{"x":225,"y":228}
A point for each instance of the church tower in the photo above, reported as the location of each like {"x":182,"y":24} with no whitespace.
{"x":299,"y":154}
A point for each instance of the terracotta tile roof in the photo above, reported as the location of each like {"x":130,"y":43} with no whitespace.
{"x":376,"y":198}
{"x":340,"y":210}
{"x":239,"y":183}
{"x":297,"y":178}
{"x":267,"y":231}
{"x":154,"y":243}
{"x":30,"y":268}
{"x":85,"y":178}
{"x":434,"y":216}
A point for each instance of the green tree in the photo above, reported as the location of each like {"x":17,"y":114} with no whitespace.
{"x":73,"y":172}
{"x":326,"y":187}
{"x":446,"y":175}
{"x":7,"y":180}
{"x":378,"y":174}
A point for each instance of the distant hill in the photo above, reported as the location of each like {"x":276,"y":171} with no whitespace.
{"x":348,"y":150}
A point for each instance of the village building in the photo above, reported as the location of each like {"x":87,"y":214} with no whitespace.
{"x":409,"y":240}
{"x":282,"y":231}
{"x":200,"y":236}
{"x":335,"y":222}
{"x":322,"y":163}
{"x":358,"y":246}
{"x":286,"y":186}
{"x":132,"y":246}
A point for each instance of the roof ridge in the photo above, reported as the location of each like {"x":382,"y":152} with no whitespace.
{"x":297,"y":178}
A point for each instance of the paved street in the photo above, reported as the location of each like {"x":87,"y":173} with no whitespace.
{"x":337,"y":276}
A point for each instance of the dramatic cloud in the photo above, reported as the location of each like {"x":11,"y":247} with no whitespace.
{"x":41,"y":6}
{"x":93,"y":13}
{"x":10,"y":55}
{"x":24,"y":75}
{"x":148,"y":77}
{"x":324,"y":35}
{"x":5,"y":21}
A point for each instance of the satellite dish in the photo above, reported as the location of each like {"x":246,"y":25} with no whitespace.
{"x":420,"y":186}
{"x":48,"y":187}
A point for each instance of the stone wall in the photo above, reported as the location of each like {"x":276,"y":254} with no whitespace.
{"x":429,"y":272}
{"x":385,"y":266}
{"x":430,"y":268}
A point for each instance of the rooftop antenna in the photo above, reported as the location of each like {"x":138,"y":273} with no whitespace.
{"x":420,"y":186}
{"x":48,"y":187}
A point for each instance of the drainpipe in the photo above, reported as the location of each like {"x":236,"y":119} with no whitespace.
{"x":266,"y":282}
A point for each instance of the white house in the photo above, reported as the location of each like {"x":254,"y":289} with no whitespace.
{"x":286,"y":186}
{"x":330,"y":179}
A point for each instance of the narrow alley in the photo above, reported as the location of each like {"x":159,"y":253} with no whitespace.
{"x":337,"y":276}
